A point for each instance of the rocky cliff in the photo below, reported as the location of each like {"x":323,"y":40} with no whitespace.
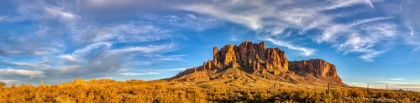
{"x":256,"y":59}
{"x":316,"y":67}
{"x":249,"y":55}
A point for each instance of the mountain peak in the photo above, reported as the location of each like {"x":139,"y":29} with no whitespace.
{"x":256,"y":59}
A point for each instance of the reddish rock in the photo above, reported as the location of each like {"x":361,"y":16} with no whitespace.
{"x":227,"y":55}
{"x":204,"y":66}
{"x":277,"y":58}
{"x":316,"y":67}
{"x":267,"y":57}
{"x":216,"y":54}
{"x":256,"y":58}
{"x":208,"y":64}
{"x":216,"y":58}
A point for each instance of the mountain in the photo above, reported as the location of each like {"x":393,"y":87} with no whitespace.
{"x":316,"y":67}
{"x":254,"y":62}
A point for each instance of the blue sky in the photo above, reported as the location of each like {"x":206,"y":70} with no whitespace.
{"x":369,"y":41}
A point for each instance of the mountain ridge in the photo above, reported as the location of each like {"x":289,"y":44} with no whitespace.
{"x":254,"y":60}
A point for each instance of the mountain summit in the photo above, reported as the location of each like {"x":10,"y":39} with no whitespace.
{"x":255,"y":61}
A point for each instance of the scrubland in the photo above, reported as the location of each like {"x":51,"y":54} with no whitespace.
{"x":161,"y":91}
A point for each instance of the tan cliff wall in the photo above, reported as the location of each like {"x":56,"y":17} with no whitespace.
{"x":316,"y":67}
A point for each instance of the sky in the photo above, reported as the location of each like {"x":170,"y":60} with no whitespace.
{"x":369,"y":41}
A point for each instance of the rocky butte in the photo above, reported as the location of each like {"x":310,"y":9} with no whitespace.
{"x":254,"y":60}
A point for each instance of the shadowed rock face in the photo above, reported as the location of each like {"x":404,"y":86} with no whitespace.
{"x":252,"y":57}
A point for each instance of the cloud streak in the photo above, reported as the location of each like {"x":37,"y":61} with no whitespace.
{"x":66,"y":46}
{"x":361,"y":36}
{"x":91,"y":61}
{"x":30,"y":73}
{"x":397,"y":79}
{"x":304,"y":51}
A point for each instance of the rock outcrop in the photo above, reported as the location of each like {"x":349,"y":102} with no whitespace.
{"x":315,"y":67}
{"x":250,"y":55}
{"x":258,"y":60}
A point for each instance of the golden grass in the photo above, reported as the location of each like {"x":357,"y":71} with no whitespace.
{"x":133,"y":91}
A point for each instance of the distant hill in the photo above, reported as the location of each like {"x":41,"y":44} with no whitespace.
{"x":252,"y":64}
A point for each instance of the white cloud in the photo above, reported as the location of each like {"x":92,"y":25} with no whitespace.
{"x":369,"y":55}
{"x":304,"y":51}
{"x":59,"y":13}
{"x":393,"y":82}
{"x":121,"y":33}
{"x":252,"y":21}
{"x":174,"y":69}
{"x":26,"y":64}
{"x":89,"y":48}
{"x":407,"y":11}
{"x":191,"y":16}
{"x":6,"y":19}
{"x":392,"y":85}
{"x":346,"y":3}
{"x":43,"y":11}
{"x":151,"y":71}
{"x":397,"y":79}
{"x":142,"y":49}
{"x":30,"y":73}
{"x":334,"y":31}
{"x":8,"y":81}
{"x":360,"y":36}
{"x":68,"y":58}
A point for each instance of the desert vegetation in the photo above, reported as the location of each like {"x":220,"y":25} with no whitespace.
{"x":2,"y":84}
{"x":161,"y":91}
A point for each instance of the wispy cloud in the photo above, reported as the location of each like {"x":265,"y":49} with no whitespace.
{"x":91,"y":61}
{"x":122,"y":33}
{"x":86,"y":50}
{"x":360,"y":36}
{"x":410,"y":19}
{"x":187,"y":20}
{"x":346,"y":3}
{"x":386,"y":83}
{"x":397,"y":79}
{"x":151,"y":71}
{"x":304,"y":51}
{"x":29,"y":73}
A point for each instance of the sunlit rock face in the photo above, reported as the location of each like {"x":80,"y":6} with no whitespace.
{"x":249,"y":54}
{"x":256,"y":59}
{"x":316,"y":67}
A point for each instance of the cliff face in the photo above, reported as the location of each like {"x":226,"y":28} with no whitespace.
{"x":256,"y":58}
{"x":315,"y":67}
{"x":250,"y":55}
